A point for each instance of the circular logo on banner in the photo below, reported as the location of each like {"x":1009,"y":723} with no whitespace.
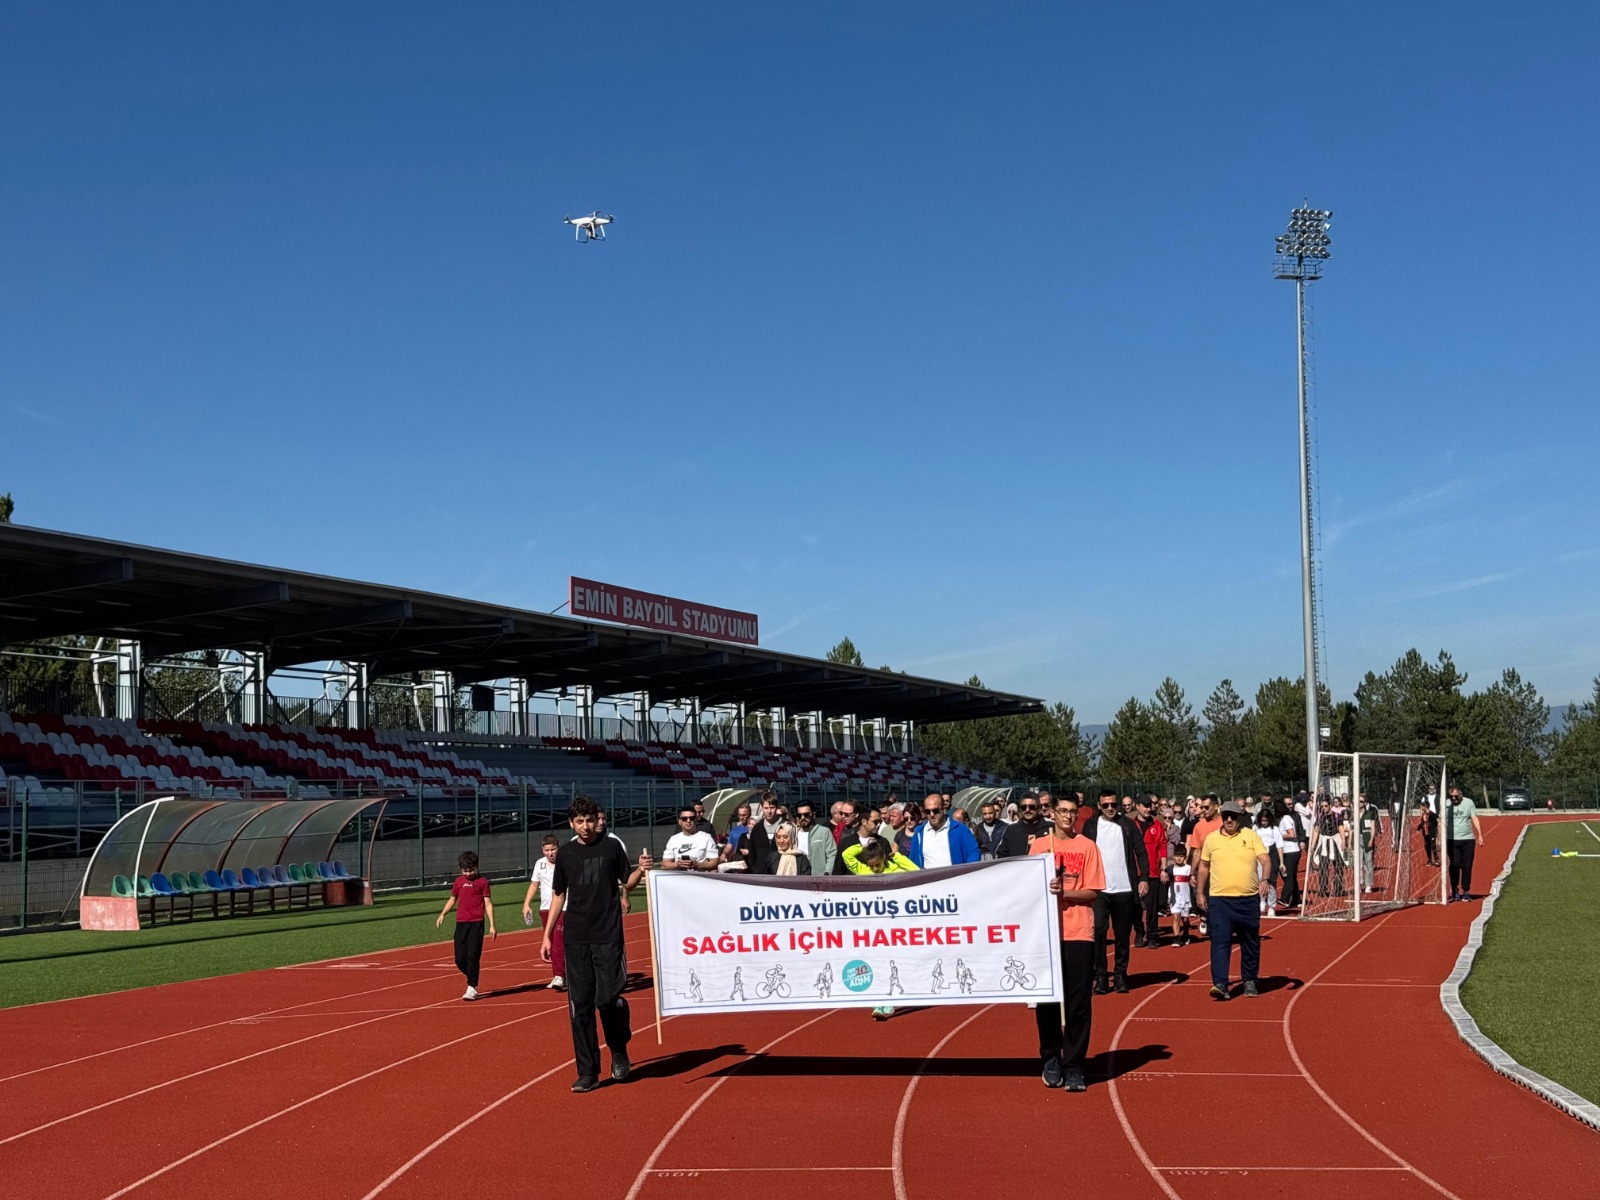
{"x":857,"y":975}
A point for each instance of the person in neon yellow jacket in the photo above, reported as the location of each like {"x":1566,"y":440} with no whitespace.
{"x":874,"y":857}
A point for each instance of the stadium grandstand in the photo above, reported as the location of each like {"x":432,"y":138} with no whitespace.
{"x":473,"y":719}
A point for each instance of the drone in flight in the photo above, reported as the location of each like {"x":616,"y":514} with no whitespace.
{"x":591,"y":228}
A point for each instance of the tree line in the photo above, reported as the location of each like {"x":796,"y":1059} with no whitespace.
{"x":1493,"y":737}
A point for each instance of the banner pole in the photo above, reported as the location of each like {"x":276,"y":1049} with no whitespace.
{"x":1055,"y":920}
{"x":655,"y":958}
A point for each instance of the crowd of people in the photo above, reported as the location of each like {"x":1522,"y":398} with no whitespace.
{"x":1130,"y":872}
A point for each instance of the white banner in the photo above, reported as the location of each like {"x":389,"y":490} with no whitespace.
{"x":961,"y":935}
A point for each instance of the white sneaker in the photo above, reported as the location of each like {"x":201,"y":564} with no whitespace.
{"x":558,"y":984}
{"x":470,"y":994}
{"x":1267,"y":914}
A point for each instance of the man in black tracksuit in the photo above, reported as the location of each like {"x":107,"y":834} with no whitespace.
{"x":1127,"y":868}
{"x":1031,"y":823}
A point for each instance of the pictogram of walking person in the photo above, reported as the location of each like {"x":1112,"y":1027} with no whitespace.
{"x":894,"y":978}
{"x":939,"y":984}
{"x":738,"y":984}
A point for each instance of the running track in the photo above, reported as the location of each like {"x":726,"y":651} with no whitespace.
{"x":369,"y":1076}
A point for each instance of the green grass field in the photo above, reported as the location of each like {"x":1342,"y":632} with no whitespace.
{"x":54,"y":966}
{"x":1533,"y":985}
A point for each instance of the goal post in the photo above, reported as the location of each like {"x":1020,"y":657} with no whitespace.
{"x":1375,"y":841}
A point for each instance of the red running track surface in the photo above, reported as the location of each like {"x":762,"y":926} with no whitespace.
{"x":369,"y":1076}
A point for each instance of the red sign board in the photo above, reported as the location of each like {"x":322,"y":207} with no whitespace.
{"x":607,"y":602}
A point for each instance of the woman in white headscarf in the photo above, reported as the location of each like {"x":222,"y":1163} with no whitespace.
{"x":786,"y":856}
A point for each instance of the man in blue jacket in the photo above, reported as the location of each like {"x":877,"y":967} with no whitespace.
{"x":939,"y":841}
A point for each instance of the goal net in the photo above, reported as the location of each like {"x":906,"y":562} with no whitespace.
{"x":1374,"y":842}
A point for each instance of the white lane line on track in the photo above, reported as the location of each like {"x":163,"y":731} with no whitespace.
{"x":649,"y":1164}
{"x":1288,"y":1040}
{"x":730,"y":1170}
{"x":897,"y":1156}
{"x":326,"y":1092}
{"x":537,"y":963}
{"x":445,"y":1137}
{"x":1248,"y":1170}
{"x":165,"y":1083}
{"x":1116,"y":1100}
{"x":202,"y":1028}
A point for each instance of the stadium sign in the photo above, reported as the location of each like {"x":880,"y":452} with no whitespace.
{"x":984,"y":933}
{"x":607,"y":602}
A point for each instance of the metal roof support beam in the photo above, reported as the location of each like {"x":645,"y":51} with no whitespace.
{"x":557,"y":666}
{"x":672,"y":686}
{"x":391,"y":658}
{"x":65,"y":579}
{"x":665,"y":676}
{"x":264,"y":634}
{"x":135,"y":616}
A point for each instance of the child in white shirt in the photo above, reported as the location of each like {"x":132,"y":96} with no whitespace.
{"x":1182,"y":894}
{"x":543,"y":873}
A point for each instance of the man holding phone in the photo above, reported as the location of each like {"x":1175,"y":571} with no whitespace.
{"x":1077,"y":881}
{"x":691,"y":848}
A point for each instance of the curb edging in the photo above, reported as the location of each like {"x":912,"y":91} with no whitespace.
{"x":1486,"y":1047}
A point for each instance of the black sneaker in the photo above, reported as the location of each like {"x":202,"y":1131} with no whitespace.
{"x":1139,"y":943}
{"x":1100,"y":988}
{"x":1219,"y":993}
{"x":1250,"y":988}
{"x":620,"y":1066}
{"x":1052,"y":1072}
{"x":1074,"y":1080}
{"x":585,"y":1084}
{"x":1121,"y":984}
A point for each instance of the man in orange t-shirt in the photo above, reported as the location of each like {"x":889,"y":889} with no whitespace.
{"x":1079,"y":877}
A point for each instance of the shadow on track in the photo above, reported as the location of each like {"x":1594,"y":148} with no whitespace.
{"x":684,"y":1061}
{"x":1109,"y":1064}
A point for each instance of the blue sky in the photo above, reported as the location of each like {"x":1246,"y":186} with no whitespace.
{"x":951,"y":328}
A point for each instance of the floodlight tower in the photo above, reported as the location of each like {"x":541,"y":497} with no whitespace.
{"x":1301,"y":253}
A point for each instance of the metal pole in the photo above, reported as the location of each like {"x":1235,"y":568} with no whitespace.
{"x":25,"y":865}
{"x":1313,"y":741}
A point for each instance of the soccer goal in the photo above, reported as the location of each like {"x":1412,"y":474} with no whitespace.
{"x":1376,"y":840}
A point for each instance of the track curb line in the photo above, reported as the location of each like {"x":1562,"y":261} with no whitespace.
{"x":1486,"y":1047}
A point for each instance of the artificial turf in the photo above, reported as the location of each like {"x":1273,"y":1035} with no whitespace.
{"x":65,"y":963}
{"x":1533,"y":984}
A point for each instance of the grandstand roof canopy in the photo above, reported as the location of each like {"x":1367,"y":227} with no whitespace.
{"x":54,"y":584}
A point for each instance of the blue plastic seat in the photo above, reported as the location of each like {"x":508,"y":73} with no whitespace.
{"x":216,"y":883}
{"x":249,"y":878}
{"x":326,"y":871}
{"x":280,"y":875}
{"x":161,"y":885}
{"x":340,"y":871}
{"x":231,"y":880}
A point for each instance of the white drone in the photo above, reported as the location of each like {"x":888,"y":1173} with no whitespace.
{"x":591,"y":228}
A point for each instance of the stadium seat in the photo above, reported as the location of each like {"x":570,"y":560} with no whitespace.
{"x":162,"y":886}
{"x":122,"y":886}
{"x":340,"y":871}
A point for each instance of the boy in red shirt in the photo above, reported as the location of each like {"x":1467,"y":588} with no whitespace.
{"x":1079,"y":877}
{"x":471,"y":890}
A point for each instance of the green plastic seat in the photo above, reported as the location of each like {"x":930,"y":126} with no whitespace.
{"x":197,"y":882}
{"x":310,"y":870}
{"x":296,"y":873}
{"x":145,"y":888}
{"x":122,"y":886}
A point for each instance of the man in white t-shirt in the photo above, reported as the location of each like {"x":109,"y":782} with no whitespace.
{"x":1127,"y":871}
{"x":690,"y":849}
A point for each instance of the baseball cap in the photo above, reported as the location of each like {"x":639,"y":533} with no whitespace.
{"x":1234,"y":807}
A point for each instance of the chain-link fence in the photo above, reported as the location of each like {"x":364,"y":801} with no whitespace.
{"x":45,"y":844}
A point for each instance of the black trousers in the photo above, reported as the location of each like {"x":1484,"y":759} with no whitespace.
{"x":1151,"y":904}
{"x":596,"y":973}
{"x":469,"y":949}
{"x":1113,"y":913}
{"x":1077,"y":976}
{"x":1461,"y":857}
{"x":1289,"y":893}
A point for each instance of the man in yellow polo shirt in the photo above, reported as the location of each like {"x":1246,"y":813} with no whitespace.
{"x":1230,"y":887}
